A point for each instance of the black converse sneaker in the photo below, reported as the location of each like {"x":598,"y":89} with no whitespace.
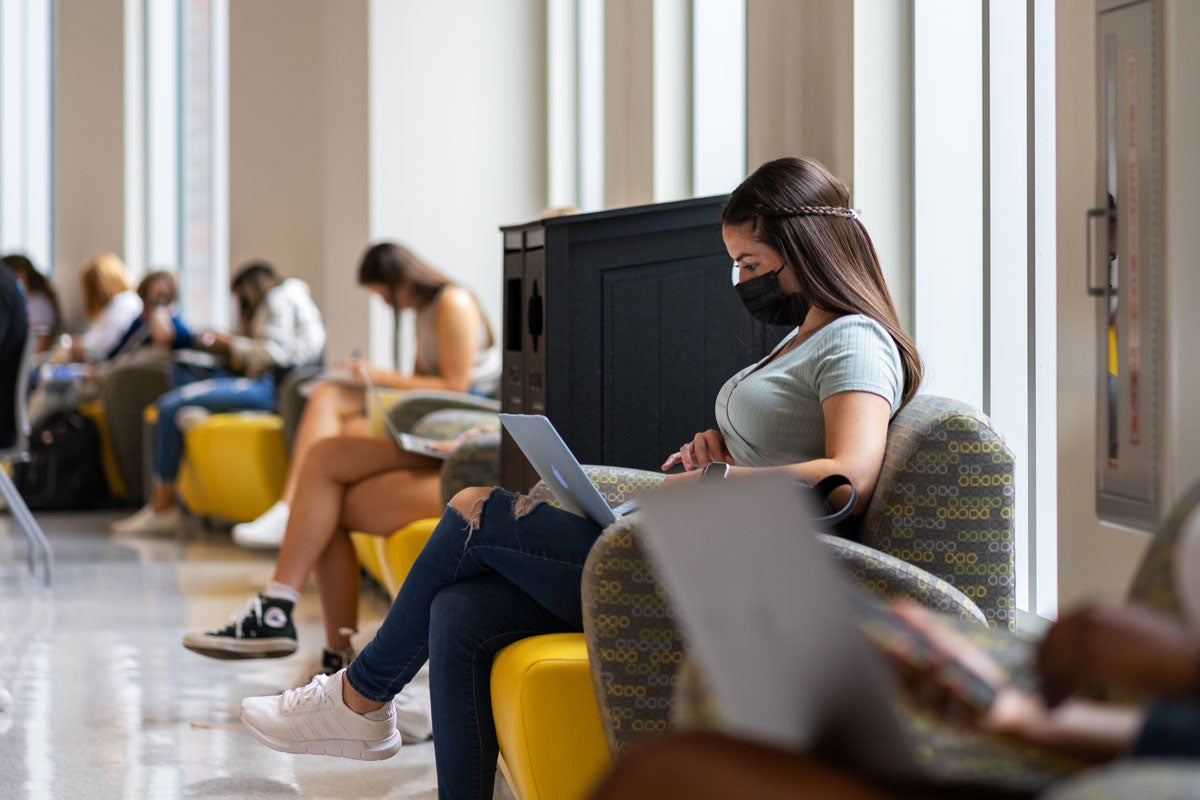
{"x":331,"y":661}
{"x":261,"y":628}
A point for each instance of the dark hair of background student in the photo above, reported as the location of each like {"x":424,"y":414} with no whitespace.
{"x":34,"y":281}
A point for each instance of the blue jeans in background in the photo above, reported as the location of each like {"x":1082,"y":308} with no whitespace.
{"x":215,"y":395}
{"x":471,"y":593}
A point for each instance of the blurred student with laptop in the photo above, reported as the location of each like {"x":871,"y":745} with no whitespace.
{"x":455,"y":351}
{"x":500,"y":567}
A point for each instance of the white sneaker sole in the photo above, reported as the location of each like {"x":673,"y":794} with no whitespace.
{"x":239,"y":648}
{"x":355,"y":749}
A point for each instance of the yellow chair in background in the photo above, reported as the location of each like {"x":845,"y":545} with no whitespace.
{"x":94,"y":411}
{"x":234,"y":467}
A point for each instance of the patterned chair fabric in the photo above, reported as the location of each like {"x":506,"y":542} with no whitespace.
{"x":933,"y":481}
{"x":415,"y":404}
{"x":888,"y":578}
{"x":636,"y":645}
{"x":476,"y":461}
{"x":945,"y":502}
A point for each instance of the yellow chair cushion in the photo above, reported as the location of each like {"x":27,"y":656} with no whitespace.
{"x":388,"y":559}
{"x":94,"y":411}
{"x":236,"y":465}
{"x":401,"y":549}
{"x":547,"y":720}
{"x":369,"y":550}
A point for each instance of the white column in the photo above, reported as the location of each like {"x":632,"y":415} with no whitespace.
{"x":1008,"y":299}
{"x":590,"y":94}
{"x":26,"y":154}
{"x":1043,"y":348}
{"x":160,"y":129}
{"x":948,"y":212}
{"x":562,"y":102}
{"x":671,"y":51}
{"x":718,"y":96}
{"x":883,"y":139}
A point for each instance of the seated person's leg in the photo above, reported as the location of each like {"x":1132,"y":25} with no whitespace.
{"x":470,"y":622}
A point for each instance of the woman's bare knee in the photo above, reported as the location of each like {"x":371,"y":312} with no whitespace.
{"x":469,"y":502}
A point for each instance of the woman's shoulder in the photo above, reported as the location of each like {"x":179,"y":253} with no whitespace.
{"x":456,"y":299}
{"x":857,"y":331}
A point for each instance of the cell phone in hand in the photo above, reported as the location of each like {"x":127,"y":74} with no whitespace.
{"x":896,"y":636}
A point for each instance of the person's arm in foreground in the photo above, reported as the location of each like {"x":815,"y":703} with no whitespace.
{"x":1081,"y":728}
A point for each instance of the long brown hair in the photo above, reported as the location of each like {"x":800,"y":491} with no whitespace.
{"x":390,"y":264}
{"x":34,"y":281}
{"x":251,"y":284}
{"x":801,"y":211}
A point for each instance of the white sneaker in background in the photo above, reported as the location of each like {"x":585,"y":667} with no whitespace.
{"x":189,"y":417}
{"x":149,"y":521}
{"x":314,"y":719}
{"x":414,"y":713}
{"x":265,"y":532}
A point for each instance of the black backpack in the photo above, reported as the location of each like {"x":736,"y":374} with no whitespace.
{"x":64,"y":469}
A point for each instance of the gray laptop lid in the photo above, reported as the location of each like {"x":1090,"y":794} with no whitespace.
{"x":557,"y":466}
{"x":769,"y":617}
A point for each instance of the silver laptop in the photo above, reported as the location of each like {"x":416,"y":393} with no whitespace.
{"x":771,"y":621}
{"x":558,"y":467}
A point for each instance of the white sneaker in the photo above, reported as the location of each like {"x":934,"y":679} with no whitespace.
{"x":414,"y":713}
{"x":265,"y":532}
{"x":313,"y":719}
{"x":147,"y":520}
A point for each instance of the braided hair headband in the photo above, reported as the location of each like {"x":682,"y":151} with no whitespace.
{"x":807,"y":211}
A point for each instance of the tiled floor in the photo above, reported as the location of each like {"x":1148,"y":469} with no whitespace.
{"x":107,"y":704}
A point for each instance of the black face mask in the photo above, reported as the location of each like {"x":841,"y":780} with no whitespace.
{"x":766,"y":303}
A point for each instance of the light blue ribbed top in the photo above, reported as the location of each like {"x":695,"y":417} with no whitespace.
{"x":771,"y":415}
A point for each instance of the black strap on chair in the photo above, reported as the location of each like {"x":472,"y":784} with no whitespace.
{"x":828,"y":517}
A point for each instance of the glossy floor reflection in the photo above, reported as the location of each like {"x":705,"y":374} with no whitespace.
{"x":108,"y":704}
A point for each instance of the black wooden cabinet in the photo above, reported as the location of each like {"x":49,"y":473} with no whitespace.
{"x":621,"y":326}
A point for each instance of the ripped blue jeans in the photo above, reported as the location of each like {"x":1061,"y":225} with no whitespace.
{"x":473,"y":590}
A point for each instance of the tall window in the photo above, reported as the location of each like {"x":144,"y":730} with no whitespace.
{"x":26,"y":140}
{"x":177,"y":148}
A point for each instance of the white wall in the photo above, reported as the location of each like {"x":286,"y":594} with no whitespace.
{"x":275,"y":127}
{"x":457,"y":133}
{"x":89,"y":143}
{"x":345,"y":173}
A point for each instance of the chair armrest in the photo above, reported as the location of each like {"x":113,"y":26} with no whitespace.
{"x":616,"y":484}
{"x":889,"y":577}
{"x":413,"y":405}
{"x":449,"y":423}
{"x":475,"y":462}
{"x":634,"y":643}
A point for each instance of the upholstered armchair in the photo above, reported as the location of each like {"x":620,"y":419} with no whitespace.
{"x":939,"y":528}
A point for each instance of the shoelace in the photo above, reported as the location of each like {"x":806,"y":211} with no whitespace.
{"x":305,"y":696}
{"x":252,"y":604}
